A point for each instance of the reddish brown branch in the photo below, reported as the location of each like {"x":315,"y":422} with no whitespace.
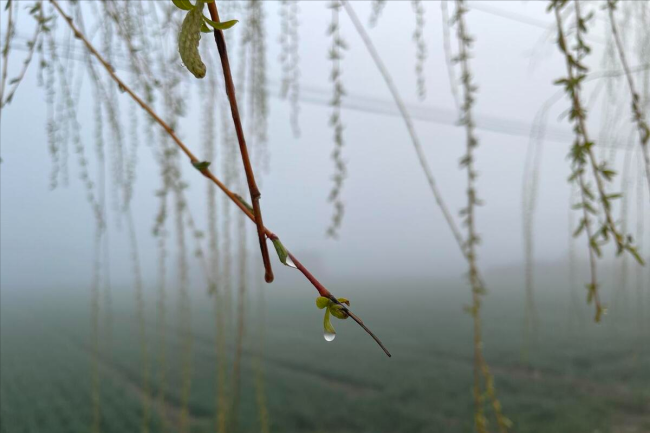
{"x":248,"y":168}
{"x":206,"y":172}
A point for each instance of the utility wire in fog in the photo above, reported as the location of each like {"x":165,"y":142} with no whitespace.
{"x":316,"y":95}
{"x":513,"y":16}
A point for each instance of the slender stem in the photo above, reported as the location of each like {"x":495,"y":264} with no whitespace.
{"x":5,"y":53}
{"x":31,"y":48}
{"x":248,"y":168}
{"x":409,"y":123}
{"x":588,"y":158}
{"x":481,"y":367}
{"x":644,"y":129}
{"x":206,"y":172}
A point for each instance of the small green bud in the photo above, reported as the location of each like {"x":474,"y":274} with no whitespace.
{"x":282,"y":255}
{"x":322,"y":302}
{"x":202,"y":165}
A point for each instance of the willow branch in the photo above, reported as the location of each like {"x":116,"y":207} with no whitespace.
{"x":248,"y":168}
{"x":14,"y":83}
{"x":642,"y":124}
{"x":206,"y":172}
{"x":409,"y":126}
{"x":5,"y":52}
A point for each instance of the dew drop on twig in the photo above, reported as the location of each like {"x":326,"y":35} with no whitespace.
{"x":290,"y":263}
{"x":329,"y":336}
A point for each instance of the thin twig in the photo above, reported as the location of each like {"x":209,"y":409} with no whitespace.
{"x":15,"y":82}
{"x":583,"y":156}
{"x":469,"y":220}
{"x":5,"y":52}
{"x":248,"y":168}
{"x":642,"y":124}
{"x":206,"y":172}
{"x":409,"y":123}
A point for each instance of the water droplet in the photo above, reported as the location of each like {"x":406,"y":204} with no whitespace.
{"x":329,"y":336}
{"x":291,"y":264}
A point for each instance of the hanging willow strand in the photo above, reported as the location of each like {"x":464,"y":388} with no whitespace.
{"x":290,"y":60}
{"x":446,"y":38}
{"x":9,"y":35}
{"x":420,"y":48}
{"x":337,"y":47}
{"x":529,"y":200}
{"x":483,"y":378}
{"x":377,"y":9}
{"x":33,"y":44}
{"x":322,"y":290}
{"x":584,"y":159}
{"x":639,"y":115}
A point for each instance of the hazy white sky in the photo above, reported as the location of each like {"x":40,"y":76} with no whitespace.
{"x":392,"y":226}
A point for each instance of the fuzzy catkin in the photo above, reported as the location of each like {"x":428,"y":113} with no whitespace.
{"x":188,"y":41}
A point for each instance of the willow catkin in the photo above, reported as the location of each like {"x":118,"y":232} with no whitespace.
{"x":377,"y":8}
{"x":290,"y":60}
{"x":50,"y":96}
{"x":188,"y":41}
{"x":483,"y":389}
{"x":258,"y":94}
{"x":421,"y":48}
{"x":335,"y":55}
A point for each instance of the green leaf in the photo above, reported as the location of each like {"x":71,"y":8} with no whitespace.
{"x":205,"y":29}
{"x":224,"y":25}
{"x":183,"y":4}
{"x":282,"y":253}
{"x":322,"y":302}
{"x":581,"y":227}
{"x":344,"y":301}
{"x":202,"y":165}
{"x":327,"y":323}
{"x":246,"y":205}
{"x":338,"y":312}
{"x":636,"y":255}
{"x":591,"y":290}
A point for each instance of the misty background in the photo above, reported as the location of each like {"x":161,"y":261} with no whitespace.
{"x":392,"y":226}
{"x":395,"y":257}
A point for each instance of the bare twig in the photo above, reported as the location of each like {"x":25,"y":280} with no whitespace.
{"x":248,"y":168}
{"x":409,"y":123}
{"x":205,"y":171}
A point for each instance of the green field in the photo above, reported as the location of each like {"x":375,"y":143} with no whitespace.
{"x":580,"y":377}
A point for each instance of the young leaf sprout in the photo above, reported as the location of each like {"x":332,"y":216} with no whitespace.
{"x":331,"y":309}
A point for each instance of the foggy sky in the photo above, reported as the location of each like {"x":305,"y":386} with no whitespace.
{"x":392,"y":226}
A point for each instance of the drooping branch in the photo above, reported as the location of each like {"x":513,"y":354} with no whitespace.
{"x":206,"y":171}
{"x":32,"y":45}
{"x":337,"y":48}
{"x":583,"y":157}
{"x":639,"y":115}
{"x":420,"y":48}
{"x":483,"y":378}
{"x":5,"y":51}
